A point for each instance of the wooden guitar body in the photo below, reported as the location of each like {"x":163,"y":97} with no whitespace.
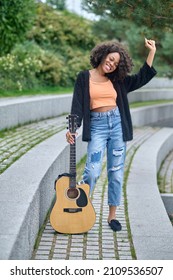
{"x":73,"y":211}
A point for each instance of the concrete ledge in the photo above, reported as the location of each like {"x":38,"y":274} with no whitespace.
{"x":26,"y":193}
{"x":21,"y":110}
{"x":156,"y":89}
{"x":151,"y":229}
{"x":148,"y":94}
{"x":157,"y":82}
{"x":151,"y":114}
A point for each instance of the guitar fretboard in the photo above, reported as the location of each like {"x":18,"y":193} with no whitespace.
{"x":73,"y":163}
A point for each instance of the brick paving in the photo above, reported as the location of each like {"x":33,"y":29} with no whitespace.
{"x":100,"y":242}
{"x":16,"y":142}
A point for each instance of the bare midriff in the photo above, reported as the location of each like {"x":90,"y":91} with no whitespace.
{"x":104,"y":109}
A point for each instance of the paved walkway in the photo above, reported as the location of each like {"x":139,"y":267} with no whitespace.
{"x":16,"y":142}
{"x":100,"y":242}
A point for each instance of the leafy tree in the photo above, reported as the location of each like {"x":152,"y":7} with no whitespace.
{"x":107,"y":29}
{"x":16,"y":18}
{"x":149,"y":13}
{"x":132,"y":20}
{"x":166,"y":54}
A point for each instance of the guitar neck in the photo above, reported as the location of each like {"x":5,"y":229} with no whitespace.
{"x":73,"y":163}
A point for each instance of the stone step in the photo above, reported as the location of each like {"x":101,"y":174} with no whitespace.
{"x":21,"y":110}
{"x":148,"y":218}
{"x":28,"y":186}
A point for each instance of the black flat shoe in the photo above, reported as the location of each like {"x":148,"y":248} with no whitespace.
{"x":115,"y":225}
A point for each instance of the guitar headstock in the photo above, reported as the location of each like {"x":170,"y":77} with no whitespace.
{"x":72,"y":123}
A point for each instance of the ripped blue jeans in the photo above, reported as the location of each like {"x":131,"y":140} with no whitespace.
{"x":106,"y":134}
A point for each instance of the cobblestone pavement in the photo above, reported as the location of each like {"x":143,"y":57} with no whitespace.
{"x":16,"y":142}
{"x":100,"y":242}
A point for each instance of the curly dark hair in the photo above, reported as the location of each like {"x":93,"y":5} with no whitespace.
{"x":99,"y":53}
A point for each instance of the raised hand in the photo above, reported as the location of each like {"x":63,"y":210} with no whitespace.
{"x":150,"y":44}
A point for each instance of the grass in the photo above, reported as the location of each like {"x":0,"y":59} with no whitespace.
{"x":37,"y":91}
{"x":7,"y":131}
{"x":126,"y":175}
{"x":149,"y":103}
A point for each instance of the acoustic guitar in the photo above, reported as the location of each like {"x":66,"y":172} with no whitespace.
{"x":73,"y":211}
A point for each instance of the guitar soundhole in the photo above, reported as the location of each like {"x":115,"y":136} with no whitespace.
{"x":72,"y":193}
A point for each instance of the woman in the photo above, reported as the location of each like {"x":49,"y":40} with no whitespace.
{"x":100,"y":100}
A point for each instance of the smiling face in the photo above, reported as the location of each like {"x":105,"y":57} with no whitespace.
{"x":110,"y":63}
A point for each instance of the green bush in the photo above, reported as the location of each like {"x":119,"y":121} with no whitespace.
{"x":30,"y":66}
{"x":51,"y":72}
{"x":57,"y":29}
{"x":56,"y":49}
{"x":57,"y":70}
{"x":65,"y":40}
{"x":50,"y":65}
{"x":18,"y":72}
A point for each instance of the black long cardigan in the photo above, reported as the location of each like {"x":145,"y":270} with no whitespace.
{"x":81,"y":99}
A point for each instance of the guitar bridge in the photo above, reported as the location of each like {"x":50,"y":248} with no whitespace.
{"x":72,"y":210}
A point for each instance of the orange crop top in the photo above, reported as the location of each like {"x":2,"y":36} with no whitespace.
{"x":102,"y":94}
